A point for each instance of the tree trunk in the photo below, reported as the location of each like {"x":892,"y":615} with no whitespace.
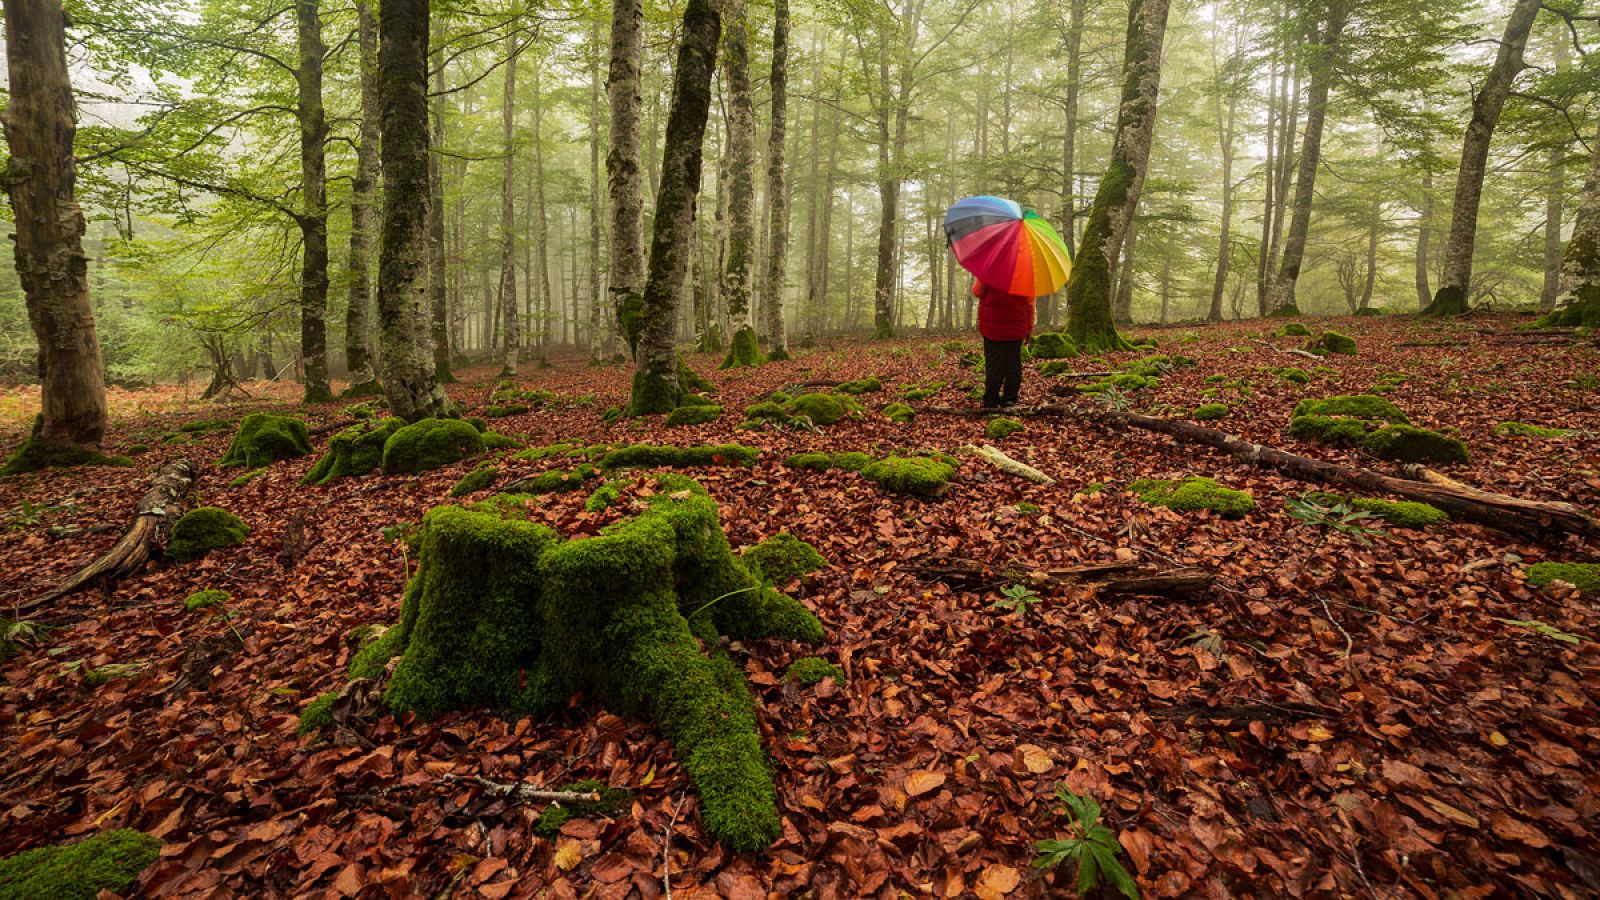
{"x":541,"y":225}
{"x":363,"y":214}
{"x":1372,"y":255}
{"x":778,"y":186}
{"x":41,"y":178}
{"x":1580,"y":264}
{"x":599,"y":326}
{"x":409,"y":380}
{"x":1089,"y":312}
{"x":1555,"y":198}
{"x":737,"y":274}
{"x":656,"y":388}
{"x":1451,"y":297}
{"x":1424,"y":230}
{"x":1288,"y":122}
{"x":1323,"y":62}
{"x":508,"y":215}
{"x":313,"y":215}
{"x":1124,"y":284}
{"x":1069,"y":143}
{"x":1269,"y":183}
{"x":1225,"y":126}
{"x":438,"y":309}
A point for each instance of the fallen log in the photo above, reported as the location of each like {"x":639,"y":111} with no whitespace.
{"x":1118,"y":578}
{"x":138,"y":544}
{"x":994,"y":457}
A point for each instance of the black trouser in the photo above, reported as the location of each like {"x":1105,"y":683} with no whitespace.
{"x":1002,"y":371}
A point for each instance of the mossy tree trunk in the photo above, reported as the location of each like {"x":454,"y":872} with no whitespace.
{"x":1454,"y":284}
{"x":313,"y":214}
{"x":41,"y":180}
{"x":655,"y":383}
{"x":1089,"y":300}
{"x":624,"y":175}
{"x":778,"y":186}
{"x":438,"y":288}
{"x":1580,"y":263}
{"x":508,"y":214}
{"x":410,"y":382}
{"x":737,"y":275}
{"x":541,"y":219}
{"x":363,"y":213}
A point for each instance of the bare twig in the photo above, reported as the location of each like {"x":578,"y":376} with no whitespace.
{"x":666,"y":848}
{"x":521,"y":790}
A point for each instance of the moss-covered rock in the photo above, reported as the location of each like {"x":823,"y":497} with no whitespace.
{"x":782,"y":558}
{"x":1054,"y":345}
{"x":1334,"y":431}
{"x":318,"y":714}
{"x":109,"y":861}
{"x":919,"y":476}
{"x":868,"y":385}
{"x":819,"y":408}
{"x":355,"y":451}
{"x":767,"y":411}
{"x":480,"y":479}
{"x":264,"y":439}
{"x":1584,"y":576}
{"x":603,"y":498}
{"x":428,"y":444}
{"x":694,"y":415}
{"x":899,"y":413}
{"x":1356,"y":406}
{"x":1002,"y":428}
{"x":1194,"y":494}
{"x":1335,"y":342}
{"x":1294,"y":329}
{"x":654,"y":456}
{"x":1407,"y":443}
{"x":199,"y":531}
{"x":1209,"y":412}
{"x":204,"y":599}
{"x":1524,"y":430}
{"x":810,"y":670}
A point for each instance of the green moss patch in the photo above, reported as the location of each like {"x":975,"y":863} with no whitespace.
{"x":568,"y":451}
{"x":694,"y":415}
{"x":317,"y":715}
{"x":604,"y":497}
{"x":1334,"y":342}
{"x":1122,"y":381}
{"x":494,"y":440}
{"x":505,"y":411}
{"x":810,"y":670}
{"x":1209,"y":412}
{"x":204,"y":600}
{"x":355,"y":451}
{"x":264,"y":439}
{"x":1523,"y":430}
{"x":870,"y":384}
{"x":247,"y":477}
{"x":203,"y":426}
{"x":820,"y":409}
{"x":477,"y":480}
{"x":612,"y":802}
{"x":782,"y":558}
{"x":1356,"y":406}
{"x":202,"y":530}
{"x":1399,"y":513}
{"x":35,"y":454}
{"x":1054,"y":345}
{"x":1294,"y":329}
{"x":918,"y":476}
{"x":109,"y":861}
{"x":1002,"y":428}
{"x":1584,"y":576}
{"x":654,"y":456}
{"x":1407,"y":443}
{"x":1331,"y":430}
{"x":899,"y":413}
{"x":556,"y":482}
{"x":1194,"y":494}
{"x":428,"y":444}
{"x":1294,"y":375}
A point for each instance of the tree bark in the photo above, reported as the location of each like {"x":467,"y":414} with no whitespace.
{"x":1089,"y":300}
{"x":1122,"y":312}
{"x":599,"y":330}
{"x":737,"y":274}
{"x":541,"y":224}
{"x":1452,"y":296}
{"x":438,"y":290}
{"x":1225,"y":128}
{"x":778,"y":186}
{"x":1372,"y":255}
{"x":1424,"y":230}
{"x":1555,"y":198}
{"x":363,"y":213}
{"x":409,"y":379}
{"x":1580,"y":263}
{"x":655,"y":384}
{"x":508,"y":214}
{"x":313,"y":214}
{"x":41,"y":178}
{"x":1268,"y":188}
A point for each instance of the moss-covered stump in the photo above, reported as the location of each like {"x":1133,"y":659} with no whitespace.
{"x":264,"y":439}
{"x":428,"y":444}
{"x":1584,"y":576}
{"x":109,"y":861}
{"x":355,"y":451}
{"x":203,"y":530}
{"x":503,"y":613}
{"x":1193,"y":494}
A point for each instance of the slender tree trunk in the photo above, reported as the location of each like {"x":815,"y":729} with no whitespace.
{"x":1454,"y":285}
{"x":313,"y":215}
{"x":737,"y":274}
{"x":541,"y":225}
{"x":1124,"y":285}
{"x":778,"y":186}
{"x":1424,"y":231}
{"x":599,"y":327}
{"x":438,"y":291}
{"x":508,"y":215}
{"x":1225,"y":126}
{"x":888,"y":203}
{"x":1089,"y":302}
{"x":1580,"y":264}
{"x":624,"y":184}
{"x":1269,"y":183}
{"x":363,"y":214}
{"x":1289,"y":123}
{"x":1166,"y":286}
{"x":1555,"y":197}
{"x":1372,"y":255}
{"x":820,"y":268}
{"x":656,"y":386}
{"x":1322,"y":65}
{"x":41,"y":179}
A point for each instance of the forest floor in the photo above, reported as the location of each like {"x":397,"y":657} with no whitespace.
{"x":1408,"y":740}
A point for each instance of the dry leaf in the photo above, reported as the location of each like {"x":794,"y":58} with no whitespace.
{"x":1036,"y":759}
{"x":921,"y":781}
{"x":996,"y":882}
{"x":568,"y":855}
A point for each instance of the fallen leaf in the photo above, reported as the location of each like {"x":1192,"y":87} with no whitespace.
{"x":568,"y":855}
{"x":997,"y":881}
{"x":921,"y":781}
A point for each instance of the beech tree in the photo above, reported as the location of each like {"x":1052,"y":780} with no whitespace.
{"x":624,"y":173}
{"x":737,"y":274}
{"x":509,"y":314}
{"x":363,"y":215}
{"x":778,"y":187}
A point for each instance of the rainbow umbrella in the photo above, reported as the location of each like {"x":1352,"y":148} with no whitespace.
{"x":1006,"y":247}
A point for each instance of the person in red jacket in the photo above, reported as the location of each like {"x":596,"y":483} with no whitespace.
{"x":1005,"y":321}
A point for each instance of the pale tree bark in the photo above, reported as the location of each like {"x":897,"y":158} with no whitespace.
{"x":1225,"y":129}
{"x":737,"y":274}
{"x":1424,"y":233}
{"x":599,"y":330}
{"x":778,"y":186}
{"x":1451,"y":297}
{"x":508,"y":214}
{"x":363,"y":214}
{"x":1089,"y":301}
{"x":409,"y":380}
{"x":1375,"y":226}
{"x":1555,"y":198}
{"x":656,"y":386}
{"x":41,"y":179}
{"x":624,"y":184}
{"x":1125,"y":282}
{"x":1324,"y":59}
{"x":541,"y":222}
{"x":1076,"y":10}
{"x":1269,"y":186}
{"x":1580,"y":264}
{"x":313,"y":214}
{"x":438,"y":286}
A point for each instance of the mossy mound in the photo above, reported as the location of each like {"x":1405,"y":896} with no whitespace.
{"x":428,"y":444}
{"x":612,"y":802}
{"x":918,"y":476}
{"x":477,"y":480}
{"x":557,"y":482}
{"x":694,"y":415}
{"x":1399,"y":513}
{"x":1334,"y":342}
{"x":1209,"y":412}
{"x":767,"y":411}
{"x":870,"y":384}
{"x":109,"y":861}
{"x":654,"y":456}
{"x":1584,"y":576}
{"x":744,"y":350}
{"x":204,"y":599}
{"x":1002,"y":428}
{"x":810,"y":670}
{"x":504,"y":614}
{"x":494,"y":440}
{"x":35,"y":454}
{"x":899,"y":413}
{"x":317,"y":715}
{"x":564,"y":450}
{"x":1294,"y":329}
{"x":782,"y":558}
{"x":203,"y":530}
{"x":264,"y":439}
{"x":1054,"y":345}
{"x":1294,"y":375}
{"x":918,"y":394}
{"x":1407,"y":443}
{"x":1524,"y":430}
{"x":819,"y":408}
{"x":603,"y":498}
{"x":355,"y":451}
{"x":1334,"y":431}
{"x":504,"y":411}
{"x":1122,"y":381}
{"x":1356,"y":406}
{"x":1194,"y":494}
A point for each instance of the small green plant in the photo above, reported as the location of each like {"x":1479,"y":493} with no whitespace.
{"x":1545,"y":629}
{"x":215,"y":603}
{"x":1093,"y":846}
{"x":1339,"y":516}
{"x":1018,"y":600}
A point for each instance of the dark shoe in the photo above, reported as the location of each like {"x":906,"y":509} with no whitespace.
{"x":1007,"y":404}
{"x":991,"y":404}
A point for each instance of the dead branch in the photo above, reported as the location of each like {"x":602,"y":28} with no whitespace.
{"x":994,"y":457}
{"x":521,"y":790}
{"x":1271,"y":346}
{"x":340,"y":425}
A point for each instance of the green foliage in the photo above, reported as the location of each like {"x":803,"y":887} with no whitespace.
{"x":1356,"y":406}
{"x":899,"y":413}
{"x":1054,"y":345}
{"x":1210,"y":412}
{"x":1294,"y":329}
{"x":317,"y":715}
{"x":355,"y":451}
{"x":819,"y":408}
{"x":1091,"y":845}
{"x":695,"y":414}
{"x":1520,"y":429}
{"x":109,"y":861}
{"x":202,"y":530}
{"x":104,"y":675}
{"x":1194,"y":494}
{"x":480,"y":479}
{"x":428,"y":444}
{"x":808,"y":671}
{"x":867,"y":385}
{"x":1584,"y":576}
{"x":204,"y":600}
{"x":1001,"y":428}
{"x":1334,"y":342}
{"x":1407,"y":443}
{"x":14,"y":635}
{"x":1027,"y":509}
{"x":782,"y":558}
{"x":919,"y":476}
{"x":1019,"y":600}
{"x":264,"y":439}
{"x":653,"y":456}
{"x":1332,"y":513}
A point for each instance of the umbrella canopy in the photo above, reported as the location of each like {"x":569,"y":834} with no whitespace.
{"x":1006,"y":247}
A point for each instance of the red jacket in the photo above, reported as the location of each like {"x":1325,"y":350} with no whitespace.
{"x":1003,"y":316}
